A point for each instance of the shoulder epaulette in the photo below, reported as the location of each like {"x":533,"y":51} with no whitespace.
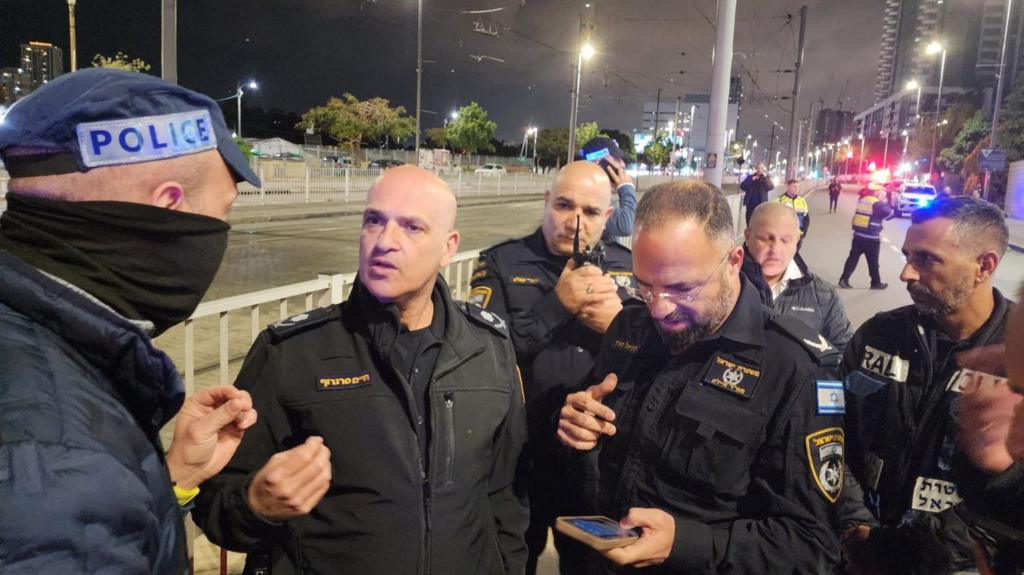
{"x":480,"y":316}
{"x":491,"y":249}
{"x":303,"y":322}
{"x":816,"y":345}
{"x":615,"y":245}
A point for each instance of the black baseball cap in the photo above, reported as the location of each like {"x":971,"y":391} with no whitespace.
{"x":103,"y":117}
{"x":601,"y":147}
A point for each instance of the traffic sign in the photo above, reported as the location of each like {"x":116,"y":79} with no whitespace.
{"x":992,"y":160}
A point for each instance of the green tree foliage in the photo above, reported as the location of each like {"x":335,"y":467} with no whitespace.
{"x":971,"y":134}
{"x":552,"y":146}
{"x":471,"y":131}
{"x":586,"y":132}
{"x":658,"y":153}
{"x":353,"y":121}
{"x":1011,"y":122}
{"x":120,"y":61}
{"x":437,"y":137}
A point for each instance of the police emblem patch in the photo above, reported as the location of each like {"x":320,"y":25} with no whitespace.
{"x":825,"y":456}
{"x":733,"y":377}
{"x":480,"y":295}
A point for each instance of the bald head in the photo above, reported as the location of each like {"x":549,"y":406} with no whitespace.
{"x":580,"y":189}
{"x":415,"y":182}
{"x":775,"y":214}
{"x":588,"y":176}
{"x":772,"y":238}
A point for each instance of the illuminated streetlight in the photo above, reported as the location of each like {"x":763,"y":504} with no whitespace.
{"x":587,"y":51}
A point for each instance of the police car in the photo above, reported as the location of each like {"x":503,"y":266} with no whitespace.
{"x":913,"y":196}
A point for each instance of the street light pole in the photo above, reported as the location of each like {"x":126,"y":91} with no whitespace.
{"x":584,"y":52}
{"x":933,"y":48}
{"x":419,"y":72}
{"x":71,"y":29}
{"x":238,"y":96}
{"x":997,"y":99}
{"x":860,"y":169}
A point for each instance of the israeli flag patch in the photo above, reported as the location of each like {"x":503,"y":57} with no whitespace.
{"x":145,"y":139}
{"x":831,"y":400}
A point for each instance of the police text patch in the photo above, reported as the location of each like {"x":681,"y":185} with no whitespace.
{"x":934,"y":495}
{"x":830,"y":397}
{"x":145,"y":139}
{"x":825,"y":456}
{"x":342,"y":383}
{"x":732,"y":377}
{"x":887,"y":365}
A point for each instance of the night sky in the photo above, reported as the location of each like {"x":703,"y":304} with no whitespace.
{"x":304,"y":51}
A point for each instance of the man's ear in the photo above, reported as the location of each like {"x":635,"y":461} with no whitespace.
{"x":168,"y":195}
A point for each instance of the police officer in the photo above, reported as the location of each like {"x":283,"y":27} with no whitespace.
{"x":867,"y":237}
{"x":798,"y":203}
{"x":903,"y":377}
{"x":418,"y":399}
{"x":717,"y":421}
{"x":557,"y":311}
{"x":781,"y":277}
{"x":606,"y":153}
{"x":114,"y":229}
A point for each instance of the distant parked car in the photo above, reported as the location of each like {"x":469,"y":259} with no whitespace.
{"x":337,"y":161}
{"x":491,"y":170}
{"x":384,"y":164}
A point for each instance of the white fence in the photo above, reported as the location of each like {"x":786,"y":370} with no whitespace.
{"x":296,"y":183}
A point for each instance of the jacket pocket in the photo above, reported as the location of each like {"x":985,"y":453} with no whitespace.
{"x":714,"y":442}
{"x":448,"y":428}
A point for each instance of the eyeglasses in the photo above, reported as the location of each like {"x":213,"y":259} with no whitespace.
{"x":689,"y":295}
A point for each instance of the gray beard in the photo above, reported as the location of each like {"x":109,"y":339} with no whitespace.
{"x":938,"y":305}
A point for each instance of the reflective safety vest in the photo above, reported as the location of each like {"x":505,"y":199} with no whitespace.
{"x":799,"y":205}
{"x":862,"y":223}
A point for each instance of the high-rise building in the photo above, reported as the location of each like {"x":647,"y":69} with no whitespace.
{"x":910,"y":25}
{"x":42,"y":61}
{"x":832,"y":125}
{"x":14,"y":83}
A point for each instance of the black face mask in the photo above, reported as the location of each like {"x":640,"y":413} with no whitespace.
{"x":145,"y":262}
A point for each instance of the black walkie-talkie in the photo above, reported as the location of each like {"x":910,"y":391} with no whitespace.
{"x":591,"y":256}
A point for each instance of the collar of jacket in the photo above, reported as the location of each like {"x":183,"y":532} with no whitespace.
{"x":751,"y":270}
{"x":144,"y":376}
{"x":382,"y":322}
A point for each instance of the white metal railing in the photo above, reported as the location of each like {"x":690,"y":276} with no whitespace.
{"x":291,"y":183}
{"x":326,"y":289}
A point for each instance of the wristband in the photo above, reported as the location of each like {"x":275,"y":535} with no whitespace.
{"x":185,"y":496}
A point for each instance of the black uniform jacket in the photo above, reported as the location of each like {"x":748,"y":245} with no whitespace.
{"x":740,"y":439}
{"x":516,"y":279}
{"x":386,"y":512}
{"x":901,"y":389}
{"x":809,"y":299}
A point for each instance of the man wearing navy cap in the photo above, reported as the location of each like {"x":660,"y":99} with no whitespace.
{"x":607,"y":154}
{"x":114,"y":229}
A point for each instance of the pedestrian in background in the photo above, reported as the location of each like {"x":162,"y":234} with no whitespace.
{"x":834,"y":189}
{"x":756,"y":185}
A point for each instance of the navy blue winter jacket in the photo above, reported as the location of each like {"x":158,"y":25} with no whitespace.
{"x":83,"y":394}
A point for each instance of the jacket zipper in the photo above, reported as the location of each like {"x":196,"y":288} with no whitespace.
{"x":449,"y":451}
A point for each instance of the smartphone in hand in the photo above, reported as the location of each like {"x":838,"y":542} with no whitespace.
{"x":597,"y":531}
